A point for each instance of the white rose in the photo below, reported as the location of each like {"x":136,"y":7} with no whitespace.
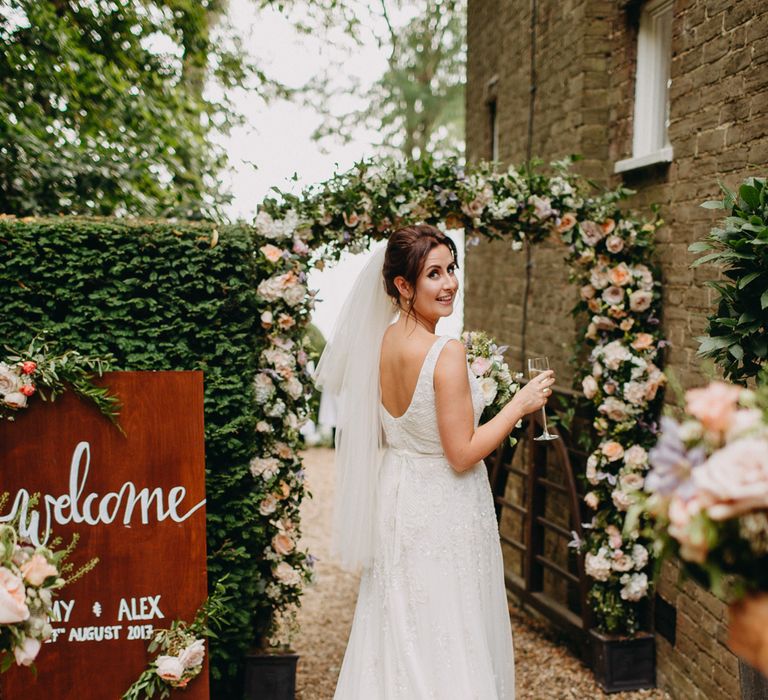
{"x":621,"y":499}
{"x":634,"y":392}
{"x":636,"y":456}
{"x":635,"y":586}
{"x":622,"y":562}
{"x":489,"y":388}
{"x":16,"y":400}
{"x":597,"y":565}
{"x":295,"y":295}
{"x":264,"y":387}
{"x":286,"y":574}
{"x":10,"y":382}
{"x":589,"y":386}
{"x":169,"y":668}
{"x":193,"y":655}
{"x":268,"y":505}
{"x":27,"y":651}
{"x":592,"y":500}
{"x":639,"y":556}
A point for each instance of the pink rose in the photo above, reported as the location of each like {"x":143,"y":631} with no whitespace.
{"x":636,"y":456}
{"x":614,"y":408}
{"x":644,"y":276}
{"x":613,"y":295}
{"x":614,"y":536}
{"x":193,"y":654}
{"x":591,"y":233}
{"x":27,"y":651}
{"x":282,"y":544}
{"x":36,"y":569}
{"x":587,"y":292}
{"x":631,"y":482}
{"x":13,"y":598}
{"x":300,"y":247}
{"x":592,"y":500}
{"x":28,"y":367}
{"x":615,"y":244}
{"x":27,"y":389}
{"x":713,"y":405}
{"x":480,"y":365}
{"x":620,"y":275}
{"x":612,"y":450}
{"x":622,"y":562}
{"x":603,"y":323}
{"x":271,"y":252}
{"x":642,"y":341}
{"x":734,"y":480}
{"x":621,"y":499}
{"x":589,"y":387}
{"x":610,"y":387}
{"x":640,"y":300}
{"x":693,"y":541}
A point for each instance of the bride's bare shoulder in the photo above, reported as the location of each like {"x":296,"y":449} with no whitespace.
{"x":452,"y":359}
{"x":400,"y":347}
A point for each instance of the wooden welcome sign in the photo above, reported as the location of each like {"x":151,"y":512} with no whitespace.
{"x":138,"y":502}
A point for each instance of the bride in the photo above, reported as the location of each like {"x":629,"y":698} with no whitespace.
{"x":414,"y":506}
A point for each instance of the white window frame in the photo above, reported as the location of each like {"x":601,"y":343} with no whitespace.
{"x":650,"y":138}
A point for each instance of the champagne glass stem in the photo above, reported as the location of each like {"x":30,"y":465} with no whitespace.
{"x":544,"y":418}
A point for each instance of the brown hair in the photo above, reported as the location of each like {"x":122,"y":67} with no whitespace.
{"x":407,"y":251}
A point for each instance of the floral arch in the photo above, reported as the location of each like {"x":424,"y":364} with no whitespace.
{"x":610,"y":257}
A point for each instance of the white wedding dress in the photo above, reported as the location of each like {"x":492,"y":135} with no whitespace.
{"x":431,"y":620}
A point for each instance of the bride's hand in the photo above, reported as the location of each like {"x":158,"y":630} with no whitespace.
{"x":534,"y":394}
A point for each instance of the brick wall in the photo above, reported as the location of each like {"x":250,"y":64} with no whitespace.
{"x":586,"y":51}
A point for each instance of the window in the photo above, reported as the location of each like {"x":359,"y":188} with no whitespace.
{"x":494,"y":131}
{"x":650,"y":142}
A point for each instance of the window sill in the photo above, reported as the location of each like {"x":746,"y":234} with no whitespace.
{"x":663,"y":155}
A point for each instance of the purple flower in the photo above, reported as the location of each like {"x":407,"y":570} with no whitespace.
{"x":671,"y":463}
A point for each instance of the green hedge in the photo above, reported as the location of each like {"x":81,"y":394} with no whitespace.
{"x":159,"y":295}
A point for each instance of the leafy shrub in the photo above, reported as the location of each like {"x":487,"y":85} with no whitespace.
{"x":737,"y":334}
{"x":165,"y":296}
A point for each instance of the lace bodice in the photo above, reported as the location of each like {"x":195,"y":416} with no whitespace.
{"x":416,"y":430}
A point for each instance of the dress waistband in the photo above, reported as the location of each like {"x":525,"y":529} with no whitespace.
{"x":402,"y":452}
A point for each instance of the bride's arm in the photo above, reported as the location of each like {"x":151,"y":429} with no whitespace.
{"x":463,"y":445}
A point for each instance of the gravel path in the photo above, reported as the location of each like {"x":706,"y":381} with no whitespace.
{"x":545,"y":670}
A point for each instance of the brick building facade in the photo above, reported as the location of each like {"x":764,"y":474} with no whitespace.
{"x":578,"y":61}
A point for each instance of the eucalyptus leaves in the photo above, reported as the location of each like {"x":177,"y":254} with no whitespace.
{"x":737,"y":335}
{"x":37,"y":370}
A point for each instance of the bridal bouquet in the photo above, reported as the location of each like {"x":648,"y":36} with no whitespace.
{"x":486,"y":361}
{"x":28,"y":578}
{"x":708,"y":487}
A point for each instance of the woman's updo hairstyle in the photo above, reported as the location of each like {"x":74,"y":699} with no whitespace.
{"x":407,"y":251}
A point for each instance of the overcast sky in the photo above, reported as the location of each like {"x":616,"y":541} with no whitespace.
{"x":277,"y":137}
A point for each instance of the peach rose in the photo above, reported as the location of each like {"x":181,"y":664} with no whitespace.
{"x":615,"y":409}
{"x":13,"y":598}
{"x":567,"y":222}
{"x":643,"y":341}
{"x":15,"y":400}
{"x":620,"y":275}
{"x":608,"y":226}
{"x":271,"y":252}
{"x":587,"y":292}
{"x":617,"y":311}
{"x":713,"y":405}
{"x":693,"y":541}
{"x":282,"y":544}
{"x":594,"y":306}
{"x":612,"y":450}
{"x":592,"y":500}
{"x":636,"y":456}
{"x":36,"y":569}
{"x":351,"y":220}
{"x":285,"y":321}
{"x":627,"y":324}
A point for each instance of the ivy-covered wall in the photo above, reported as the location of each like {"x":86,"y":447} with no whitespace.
{"x":165,"y":295}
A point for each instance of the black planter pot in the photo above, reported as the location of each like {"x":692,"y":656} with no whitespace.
{"x":270,"y":676}
{"x":754,"y":685}
{"x":623,"y":663}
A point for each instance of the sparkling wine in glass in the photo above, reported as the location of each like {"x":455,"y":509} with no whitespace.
{"x":537,"y":365}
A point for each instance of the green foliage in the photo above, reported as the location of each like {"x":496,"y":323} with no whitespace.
{"x":417,"y":104}
{"x":737,"y":334}
{"x":211,"y":614}
{"x":52,"y":374}
{"x":102,"y":108}
{"x":161,"y":296}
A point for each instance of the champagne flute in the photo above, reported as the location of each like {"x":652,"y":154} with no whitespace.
{"x":537,"y":365}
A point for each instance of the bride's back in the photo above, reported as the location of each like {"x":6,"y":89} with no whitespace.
{"x":402,"y":357}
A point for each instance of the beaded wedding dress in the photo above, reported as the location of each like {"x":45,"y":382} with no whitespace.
{"x":431,"y":620}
